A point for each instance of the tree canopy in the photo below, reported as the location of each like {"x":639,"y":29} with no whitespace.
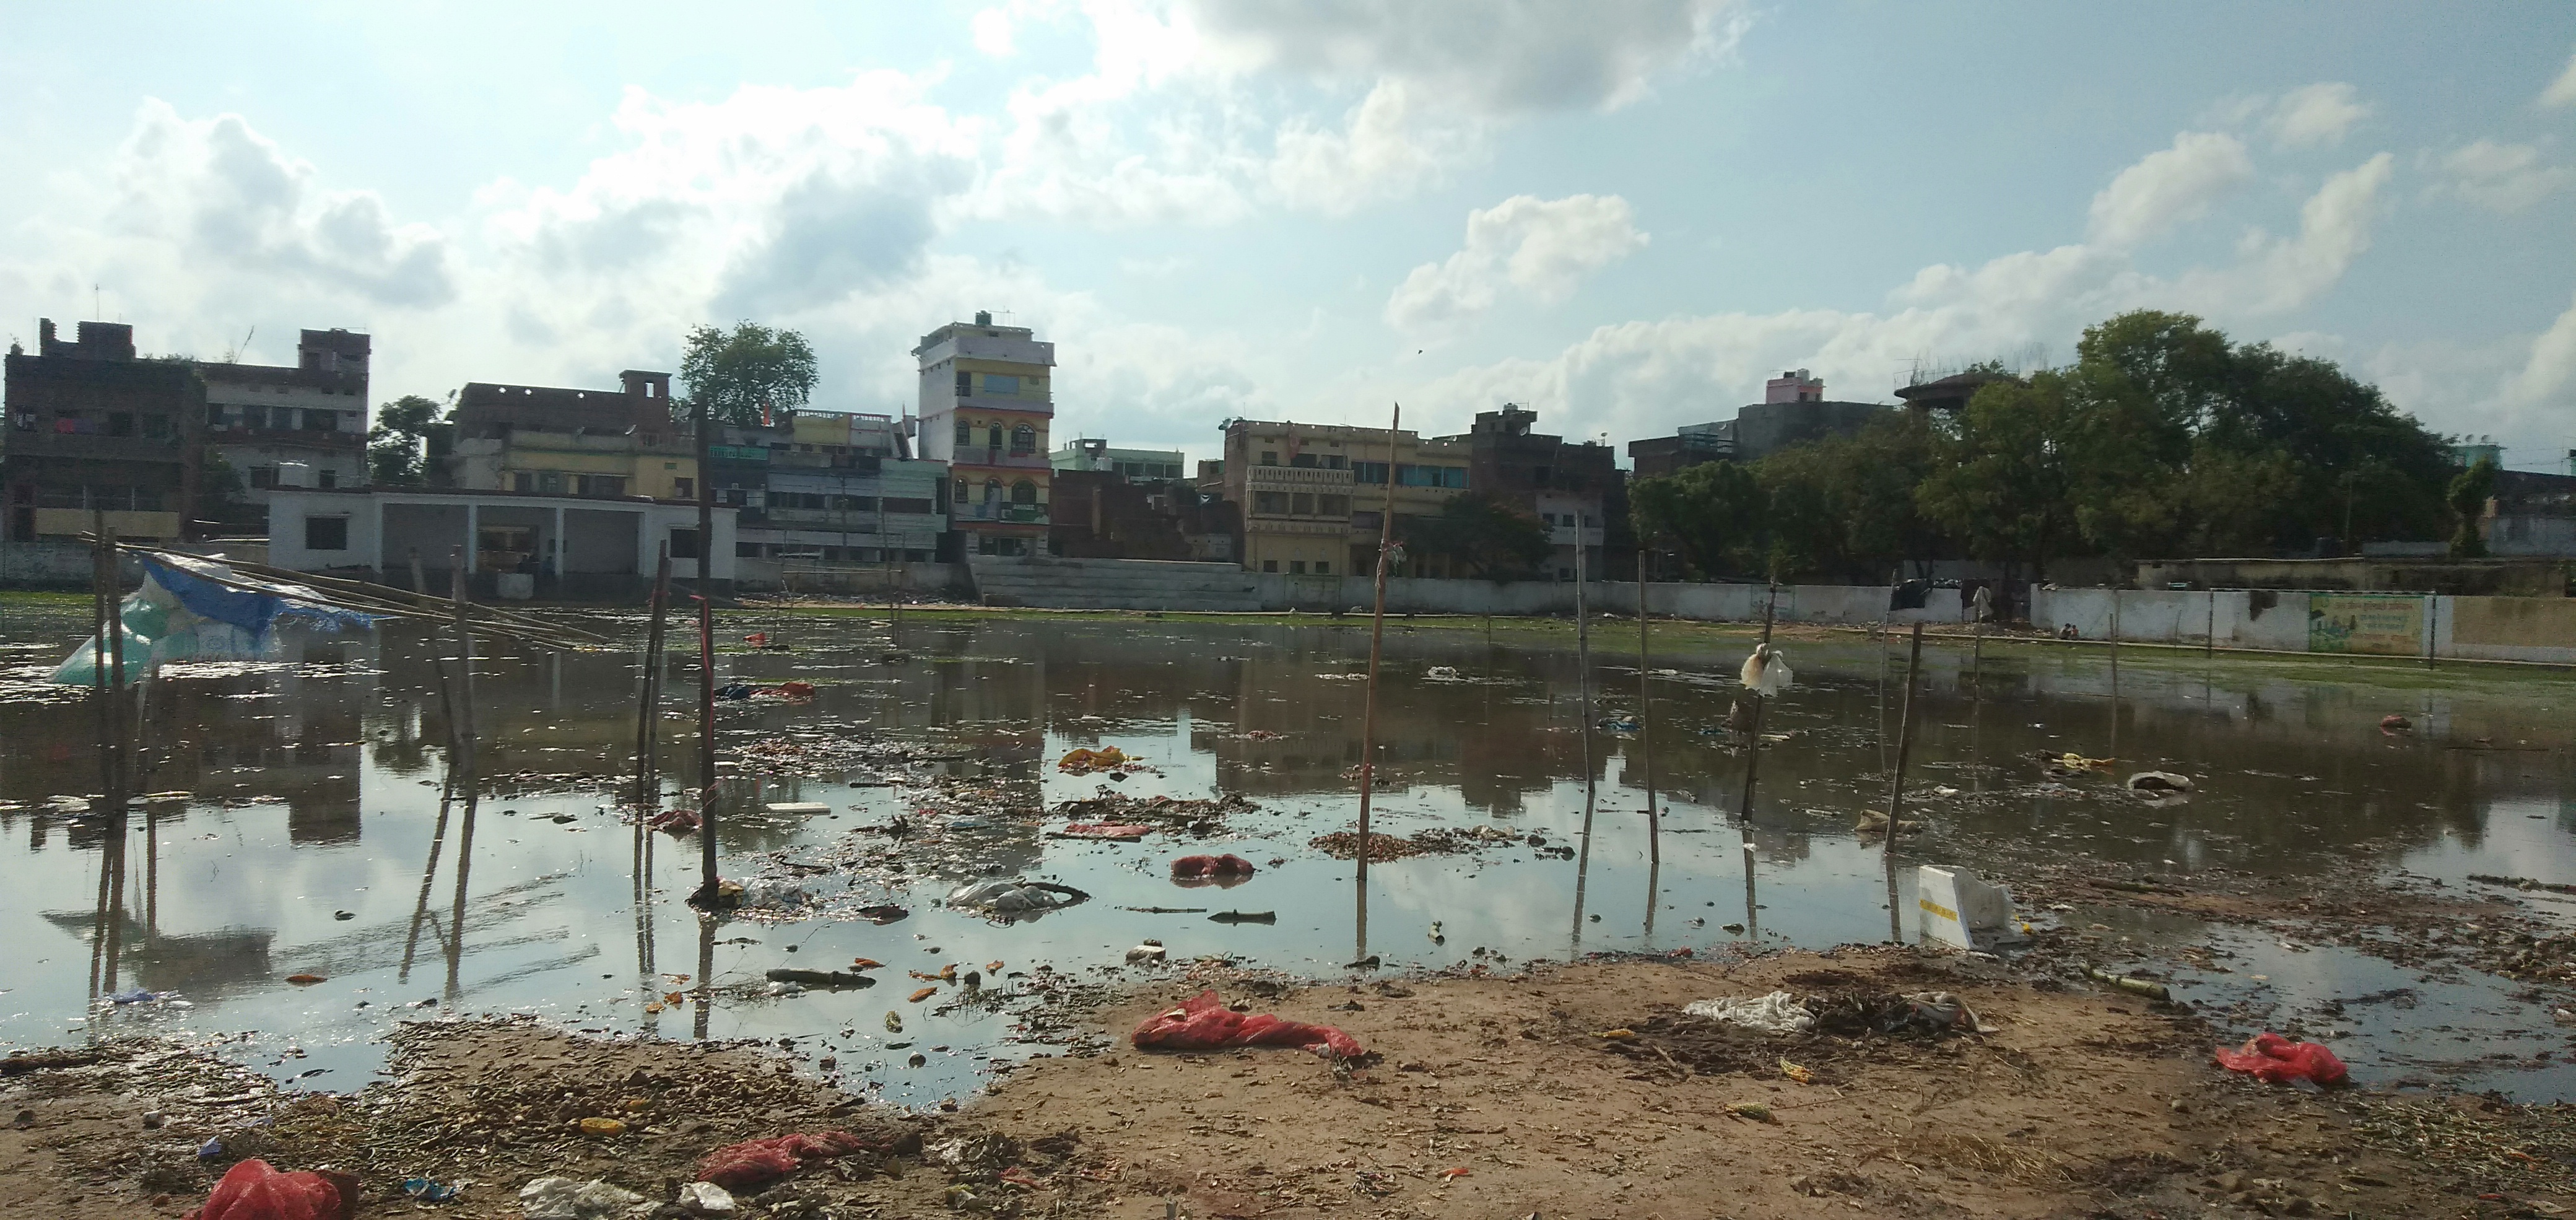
{"x":394,"y":444}
{"x":2163,"y":438}
{"x":1481,"y":534}
{"x":735,"y":374}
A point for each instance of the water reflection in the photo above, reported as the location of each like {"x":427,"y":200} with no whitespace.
{"x":319,"y":784}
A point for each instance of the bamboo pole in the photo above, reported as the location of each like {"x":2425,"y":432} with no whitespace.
{"x":1377,"y":651}
{"x":648,"y":701}
{"x":470,"y":782}
{"x":1646,"y":737}
{"x":1896,"y":780}
{"x":707,"y":879}
{"x":98,"y":660}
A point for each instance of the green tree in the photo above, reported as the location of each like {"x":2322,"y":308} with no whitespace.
{"x":1716,"y":514}
{"x":221,"y":497}
{"x":735,"y":374}
{"x":2002,"y":484}
{"x":1482,"y":534}
{"x":1844,"y":506}
{"x":394,"y":444}
{"x":2468,"y":495}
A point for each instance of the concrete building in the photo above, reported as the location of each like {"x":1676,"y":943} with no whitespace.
{"x":1575,"y":490}
{"x":539,"y":440}
{"x":1793,"y":411}
{"x":93,"y":429}
{"x":2532,"y":513}
{"x":987,"y":401}
{"x":303,"y":425}
{"x":514,"y":545}
{"x":830,"y":489}
{"x":1312,"y":495}
{"x":1133,"y":465}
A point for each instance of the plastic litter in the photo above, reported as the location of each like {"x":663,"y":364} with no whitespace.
{"x":1205,"y":1024}
{"x":773,"y":894}
{"x":136,"y":996}
{"x":429,"y":1191}
{"x":753,"y":1164}
{"x":798,"y":807}
{"x":2273,"y":1059}
{"x":255,"y":1190}
{"x":705,"y":1199}
{"x":819,"y":978}
{"x":1014,"y":897}
{"x":1150,"y":951}
{"x":1084,"y":762}
{"x":1956,"y":908}
{"x":1121,"y":831}
{"x":181,"y":614}
{"x":1766,"y":672}
{"x":1209,"y":868}
{"x":1776,"y":1013}
{"x":564,"y":1199}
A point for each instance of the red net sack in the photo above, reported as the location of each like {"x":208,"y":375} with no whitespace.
{"x":1205,"y":1024}
{"x":2273,"y":1059}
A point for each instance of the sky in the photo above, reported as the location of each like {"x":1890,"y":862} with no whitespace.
{"x":1626,"y":216}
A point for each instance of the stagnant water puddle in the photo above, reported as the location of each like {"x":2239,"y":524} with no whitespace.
{"x":310,"y":844}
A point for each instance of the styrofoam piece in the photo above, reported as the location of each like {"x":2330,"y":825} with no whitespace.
{"x":1956,"y":908}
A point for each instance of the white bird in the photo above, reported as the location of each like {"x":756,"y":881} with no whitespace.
{"x":1766,"y":672}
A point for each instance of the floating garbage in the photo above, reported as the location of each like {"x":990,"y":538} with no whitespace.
{"x":2159,"y":783}
{"x":1150,"y":951}
{"x":770,"y":894}
{"x":1021,"y":898}
{"x":1244,"y":917}
{"x":200,"y":610}
{"x":819,"y":978}
{"x":1086,"y":761}
{"x":1766,"y":672}
{"x":1119,"y":832}
{"x":1204,"y":1023}
{"x":1220,"y":869}
{"x":799,"y":807}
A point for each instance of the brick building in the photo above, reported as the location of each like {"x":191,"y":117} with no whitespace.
{"x":93,"y":429}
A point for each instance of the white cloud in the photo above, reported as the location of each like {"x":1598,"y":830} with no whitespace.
{"x":217,"y":191}
{"x":2562,"y":91}
{"x":2547,"y":379}
{"x":1384,"y":150}
{"x":2316,"y":115}
{"x":2276,"y":274}
{"x":1490,"y":56}
{"x":1543,"y":247}
{"x":2169,"y":187}
{"x":992,"y":31}
{"x":2504,"y":177}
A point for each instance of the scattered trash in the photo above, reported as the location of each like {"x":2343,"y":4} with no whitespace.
{"x":552,"y":1198}
{"x":1797,"y":1073}
{"x":1205,"y":1024}
{"x":1084,"y":762}
{"x":2145,"y":987}
{"x":754,"y":1164}
{"x":254,"y":1190}
{"x":1776,"y":1013}
{"x":1118,"y":831}
{"x":1766,"y":672}
{"x":2158,"y":783}
{"x":1150,"y":951}
{"x":2394,"y":723}
{"x":1211,"y":868}
{"x":705,"y":1199}
{"x":770,"y":894}
{"x":1244,"y":917}
{"x":798,"y":807}
{"x":1621,"y":1034}
{"x":820,"y":978}
{"x":1442,"y":673}
{"x":1022,"y":899}
{"x":2273,"y":1059}
{"x":601,"y":1128}
{"x":923,"y":994}
{"x":428,"y":1191}
{"x":306,"y":980}
{"x":1956,"y":907}
{"x":138,"y":996}
{"x":882,"y":915}
{"x":1754,"y":1110}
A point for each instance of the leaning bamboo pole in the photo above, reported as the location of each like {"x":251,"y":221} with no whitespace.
{"x":1377,"y":650}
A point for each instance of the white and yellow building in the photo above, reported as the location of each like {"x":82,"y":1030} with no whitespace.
{"x":987,"y":401}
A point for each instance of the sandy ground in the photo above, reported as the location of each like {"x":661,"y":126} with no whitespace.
{"x":1489,"y":1096}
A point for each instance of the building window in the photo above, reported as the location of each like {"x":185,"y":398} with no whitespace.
{"x":1270,"y":502}
{"x":603,"y":485}
{"x":120,"y":423}
{"x":684,"y":543}
{"x":1371,"y":521}
{"x":156,"y":427}
{"x":1269,"y":565}
{"x":965,"y":433}
{"x":685,"y":489}
{"x":1335,"y":461}
{"x":328,"y":478}
{"x":996,"y":383}
{"x":1323,"y":567}
{"x":746,"y":550}
{"x":1369,"y":474}
{"x":1303,"y":461}
{"x":1024,"y":439}
{"x":263,"y":477}
{"x":1296,"y":567}
{"x":965,"y":383}
{"x":326,"y":533}
{"x":550,"y":482}
{"x":960,"y":492}
{"x":214,"y":415}
{"x":1302,"y":504}
{"x":992,"y":491}
{"x":1332,"y":506}
{"x":1269,"y":457}
{"x":1024,"y":492}
{"x":993,"y":436}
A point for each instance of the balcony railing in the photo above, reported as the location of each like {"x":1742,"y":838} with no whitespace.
{"x":317,"y":438}
{"x":1034,"y":514}
{"x":992,"y":455}
{"x":89,"y":445}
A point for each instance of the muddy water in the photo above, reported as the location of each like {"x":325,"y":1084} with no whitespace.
{"x":310,"y":840}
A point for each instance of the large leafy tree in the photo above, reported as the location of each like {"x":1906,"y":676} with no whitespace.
{"x":2468,"y":498}
{"x":394,"y":444}
{"x":736,"y":374}
{"x":1484,"y":535}
{"x":1715,"y":514}
{"x":1845,"y":506}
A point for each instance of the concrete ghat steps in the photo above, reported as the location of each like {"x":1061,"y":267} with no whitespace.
{"x":1114,"y":584}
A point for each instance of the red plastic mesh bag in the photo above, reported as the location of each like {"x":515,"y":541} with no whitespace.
{"x":255,"y":1190}
{"x":2273,"y":1059}
{"x":753,"y":1164}
{"x":1205,"y":1024}
{"x":1228,"y":865}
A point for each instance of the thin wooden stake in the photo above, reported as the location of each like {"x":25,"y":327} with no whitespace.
{"x":470,"y":782}
{"x":707,"y":879}
{"x":1646,"y":735}
{"x":1753,"y":736}
{"x":1377,"y":650}
{"x":1896,"y":781}
{"x":648,"y":701}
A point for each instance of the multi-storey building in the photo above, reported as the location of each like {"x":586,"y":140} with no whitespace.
{"x":987,"y":400}
{"x":94,"y":430}
{"x":560,"y":442}
{"x":1313,"y":495}
{"x":303,"y":425}
{"x":828,"y":488}
{"x":1133,"y":465}
{"x":1573,"y":489}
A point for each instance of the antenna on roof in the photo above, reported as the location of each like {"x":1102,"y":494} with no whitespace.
{"x":234,"y":356}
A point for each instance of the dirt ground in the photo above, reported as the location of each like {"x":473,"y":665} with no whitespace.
{"x":1486,"y":1096}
